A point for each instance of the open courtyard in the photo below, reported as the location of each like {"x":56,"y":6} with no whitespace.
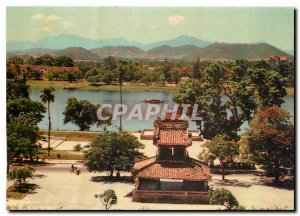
{"x":59,"y":188}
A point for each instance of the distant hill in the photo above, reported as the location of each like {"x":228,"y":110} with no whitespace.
{"x":77,"y":53}
{"x":212,"y":51}
{"x":180,"y":41}
{"x":238,"y":51}
{"x":120,"y":51}
{"x":180,"y":52}
{"x":32,"y":52}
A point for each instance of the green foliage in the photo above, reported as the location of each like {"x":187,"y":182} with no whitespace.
{"x":16,"y":89}
{"x":229,"y":94}
{"x":113,"y":151}
{"x":48,"y":97}
{"x":224,"y":197}
{"x":269,"y":85}
{"x":166,"y":70}
{"x":47,"y":60}
{"x":108,"y":198}
{"x":34,"y":74}
{"x":175,"y":76}
{"x":271,"y":140}
{"x":83,"y":114}
{"x":196,"y":70}
{"x":77,"y":147}
{"x":24,"y":105}
{"x":22,"y":135}
{"x":20,"y":175}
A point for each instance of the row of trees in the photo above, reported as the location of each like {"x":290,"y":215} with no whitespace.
{"x":47,"y":60}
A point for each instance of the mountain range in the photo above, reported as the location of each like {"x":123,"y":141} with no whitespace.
{"x":64,"y":41}
{"x":182,"y":47}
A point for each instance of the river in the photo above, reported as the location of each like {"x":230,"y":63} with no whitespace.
{"x":130,"y":98}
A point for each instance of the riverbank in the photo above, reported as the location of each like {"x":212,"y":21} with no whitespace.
{"x":83,"y":85}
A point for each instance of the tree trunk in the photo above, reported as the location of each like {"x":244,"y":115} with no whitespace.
{"x":111,"y":172}
{"x":277,"y":172}
{"x":222,"y":164}
{"x":49,"y":128}
{"x":121,"y":105}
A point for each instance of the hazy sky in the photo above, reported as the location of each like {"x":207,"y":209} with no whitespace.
{"x":246,"y":25}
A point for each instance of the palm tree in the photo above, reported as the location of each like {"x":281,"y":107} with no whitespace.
{"x":122,"y":72}
{"x":48,"y":97}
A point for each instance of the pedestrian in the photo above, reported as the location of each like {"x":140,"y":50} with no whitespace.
{"x":72,"y":167}
{"x":77,"y":171}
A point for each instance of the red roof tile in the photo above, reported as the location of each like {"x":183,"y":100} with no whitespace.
{"x":191,"y":170}
{"x":173,"y":137}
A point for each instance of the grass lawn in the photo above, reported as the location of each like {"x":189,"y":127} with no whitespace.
{"x":12,"y":193}
{"x":64,"y":155}
{"x":40,"y":84}
{"x":73,"y":135}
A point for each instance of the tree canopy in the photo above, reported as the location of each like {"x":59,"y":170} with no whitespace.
{"x":108,"y":198}
{"x":25,"y":105}
{"x":221,"y":148}
{"x":83,"y":114}
{"x":113,"y":151}
{"x":224,"y":197}
{"x":228,"y":95}
{"x":271,"y":140}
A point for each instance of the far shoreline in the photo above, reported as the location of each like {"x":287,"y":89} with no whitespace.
{"x":84,"y":85}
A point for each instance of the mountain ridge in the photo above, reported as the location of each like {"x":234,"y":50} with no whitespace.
{"x":230,"y":51}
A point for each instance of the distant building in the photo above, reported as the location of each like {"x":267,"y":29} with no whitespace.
{"x":46,"y":69}
{"x":276,"y":60}
{"x":171,"y":176}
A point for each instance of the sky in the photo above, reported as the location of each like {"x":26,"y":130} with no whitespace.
{"x":147,"y":25}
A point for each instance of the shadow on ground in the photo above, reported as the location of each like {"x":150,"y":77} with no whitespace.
{"x":233,"y":183}
{"x":110,"y":180}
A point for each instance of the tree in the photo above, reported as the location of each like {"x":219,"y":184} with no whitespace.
{"x":108,"y":198}
{"x":16,"y":88}
{"x":269,"y":85}
{"x":196,"y":70}
{"x":48,"y":97}
{"x":224,"y":197}
{"x":123,"y":68}
{"x":271,"y":140}
{"x":166,"y":70}
{"x":176,"y":76}
{"x":24,"y":105}
{"x":22,"y":136}
{"x":110,"y":64}
{"x":84,"y":114}
{"x":20,"y":175}
{"x":71,"y":77}
{"x":113,"y":151}
{"x":222,"y":149}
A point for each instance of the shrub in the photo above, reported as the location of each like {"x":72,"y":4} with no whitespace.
{"x":77,"y":148}
{"x":108,"y":198}
{"x":224,"y":197}
{"x":20,"y":175}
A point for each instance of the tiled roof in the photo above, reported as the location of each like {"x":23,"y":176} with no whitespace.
{"x":191,"y":170}
{"x":50,"y":68}
{"x":173,"y":137}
